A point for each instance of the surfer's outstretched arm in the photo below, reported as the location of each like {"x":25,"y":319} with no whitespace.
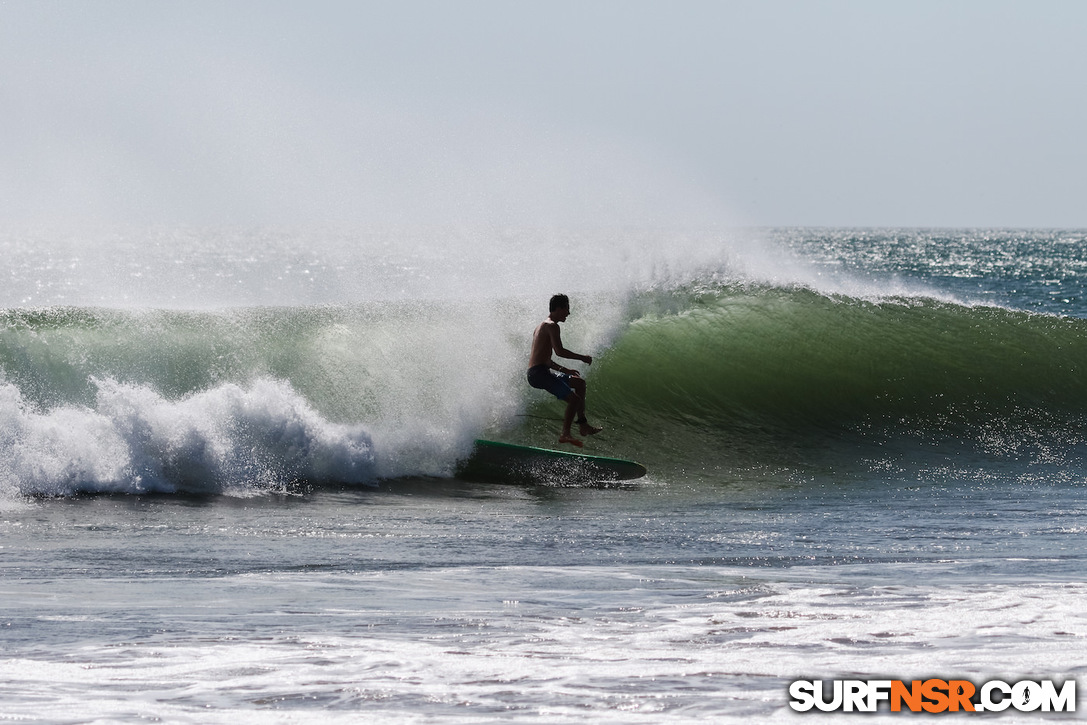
{"x":557,"y":346}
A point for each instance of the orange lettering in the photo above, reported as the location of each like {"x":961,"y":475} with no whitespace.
{"x":960,"y":692}
{"x":911,"y":694}
{"x":934,"y":691}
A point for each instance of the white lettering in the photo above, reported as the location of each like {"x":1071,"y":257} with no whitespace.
{"x":1064,"y":701}
{"x":987,"y":695}
{"x":878,"y":690}
{"x":803,"y":694}
{"x":855,"y":696}
{"x":836,"y":700}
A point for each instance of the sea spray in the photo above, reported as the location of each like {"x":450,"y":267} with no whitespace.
{"x":225,"y":268}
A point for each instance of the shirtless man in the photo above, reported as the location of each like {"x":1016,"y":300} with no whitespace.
{"x":564,"y":383}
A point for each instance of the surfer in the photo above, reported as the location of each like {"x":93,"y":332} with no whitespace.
{"x":564,"y":383}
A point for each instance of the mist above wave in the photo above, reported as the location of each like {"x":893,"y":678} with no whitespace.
{"x":194,"y":268}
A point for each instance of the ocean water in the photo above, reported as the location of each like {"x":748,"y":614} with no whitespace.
{"x":228,"y":490}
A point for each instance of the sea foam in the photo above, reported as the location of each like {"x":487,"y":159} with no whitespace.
{"x":229,"y":439}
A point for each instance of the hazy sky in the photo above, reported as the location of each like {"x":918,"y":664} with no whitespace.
{"x":916,"y":113}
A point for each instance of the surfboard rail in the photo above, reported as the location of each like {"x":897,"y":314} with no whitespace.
{"x":498,"y":462}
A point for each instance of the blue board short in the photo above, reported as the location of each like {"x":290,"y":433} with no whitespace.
{"x":544,"y":378}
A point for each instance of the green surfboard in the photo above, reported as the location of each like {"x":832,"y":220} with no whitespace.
{"x":509,"y":463}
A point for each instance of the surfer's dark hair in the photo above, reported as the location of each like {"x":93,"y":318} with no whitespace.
{"x":559,"y":302}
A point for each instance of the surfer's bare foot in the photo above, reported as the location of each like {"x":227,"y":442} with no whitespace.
{"x":567,"y":438}
{"x":588,"y":430}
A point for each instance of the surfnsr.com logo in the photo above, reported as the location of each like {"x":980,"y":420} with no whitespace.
{"x":932,"y":695}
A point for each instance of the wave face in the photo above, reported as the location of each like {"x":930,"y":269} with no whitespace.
{"x":758,"y":368}
{"x":795,"y":357}
{"x":823,"y":365}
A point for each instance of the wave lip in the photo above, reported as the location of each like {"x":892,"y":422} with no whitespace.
{"x":227,"y":439}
